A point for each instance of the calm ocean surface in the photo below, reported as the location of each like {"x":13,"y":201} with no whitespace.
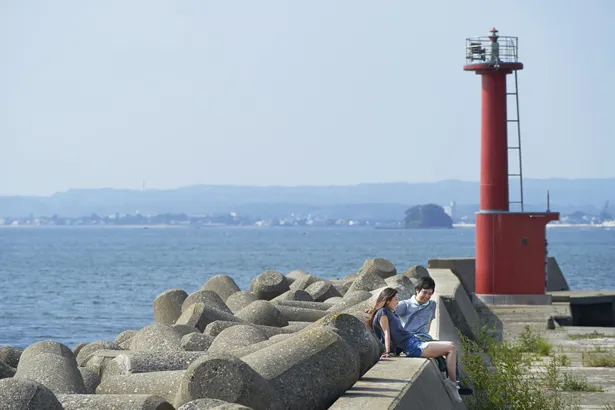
{"x":78,"y":285}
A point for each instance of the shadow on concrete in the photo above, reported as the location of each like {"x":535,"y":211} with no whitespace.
{"x":352,"y":393}
{"x":593,"y":311}
{"x":488,"y":320}
{"x":383,"y":380}
{"x":373,"y":389}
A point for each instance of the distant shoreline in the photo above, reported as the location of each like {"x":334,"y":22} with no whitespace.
{"x":95,"y":226}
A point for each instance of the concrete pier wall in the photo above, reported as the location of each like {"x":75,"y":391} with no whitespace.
{"x":464,"y":268}
{"x":403,"y":382}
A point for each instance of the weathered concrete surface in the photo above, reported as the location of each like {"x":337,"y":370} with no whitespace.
{"x":240,"y":300}
{"x":322,"y":290}
{"x":342,"y":285}
{"x":167,"y":306}
{"x":442,"y":327}
{"x":305,"y":304}
{"x":91,"y":379}
{"x":398,"y":383}
{"x":565,"y":295}
{"x":10,"y":355}
{"x":161,"y":384}
{"x":308,"y":370}
{"x":262,"y":312}
{"x":200,"y":315}
{"x":350,"y":299}
{"x":399,"y":280}
{"x":246,"y":350}
{"x":156,"y":337}
{"x":78,"y":348}
{"x":212,"y":404}
{"x":87,"y":351}
{"x":225,"y":377}
{"x":378,"y":266}
{"x":207,"y":297}
{"x":113,"y":402}
{"x":214,"y":328}
{"x":334,"y":300}
{"x":237,"y":337}
{"x":196,"y":342}
{"x":367,"y":281}
{"x":465,"y":269}
{"x":144,"y":362}
{"x":99,"y":361}
{"x":297,"y":314}
{"x":269,"y":284}
{"x":47,"y":346}
{"x":302,"y":282}
{"x":294,"y":294}
{"x":458,"y":305}
{"x":26,"y":394}
{"x":184,"y":330}
{"x":415,"y":272}
{"x":6,"y":371}
{"x":124,"y":337}
{"x":57,"y":372}
{"x":511,"y":321}
{"x":555,"y":277}
{"x":357,"y":335}
{"x":296,"y":274}
{"x":223,"y":285}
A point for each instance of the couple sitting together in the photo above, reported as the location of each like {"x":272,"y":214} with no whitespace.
{"x":403,"y":326}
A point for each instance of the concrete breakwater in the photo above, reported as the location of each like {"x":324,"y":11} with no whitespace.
{"x":293,"y":341}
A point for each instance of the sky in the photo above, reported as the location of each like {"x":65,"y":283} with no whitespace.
{"x":272,"y":92}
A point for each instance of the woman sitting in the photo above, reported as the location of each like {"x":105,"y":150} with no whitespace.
{"x":386,"y":324}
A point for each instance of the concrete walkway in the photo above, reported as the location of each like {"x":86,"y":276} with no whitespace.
{"x":512,"y":320}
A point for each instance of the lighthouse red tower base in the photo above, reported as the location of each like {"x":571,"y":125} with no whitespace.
{"x":511,"y":251}
{"x":511,"y":257}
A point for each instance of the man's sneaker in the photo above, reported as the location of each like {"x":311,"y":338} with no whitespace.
{"x":464,"y":390}
{"x":452,"y":390}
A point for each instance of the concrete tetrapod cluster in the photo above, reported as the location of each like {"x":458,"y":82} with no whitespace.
{"x":293,"y":341}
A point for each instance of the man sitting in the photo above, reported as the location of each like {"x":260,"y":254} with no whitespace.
{"x":417,"y":313}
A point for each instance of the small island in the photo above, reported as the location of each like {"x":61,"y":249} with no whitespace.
{"x":427,"y":216}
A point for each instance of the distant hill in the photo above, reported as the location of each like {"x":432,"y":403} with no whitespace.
{"x":351,"y":201}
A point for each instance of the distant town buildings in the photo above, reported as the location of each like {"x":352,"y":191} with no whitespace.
{"x":464,"y":218}
{"x":451,"y":210}
{"x":230,"y":219}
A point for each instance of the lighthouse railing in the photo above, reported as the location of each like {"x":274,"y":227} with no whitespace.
{"x":483,"y":50}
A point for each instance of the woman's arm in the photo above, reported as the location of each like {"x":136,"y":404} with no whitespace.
{"x":384,"y":324}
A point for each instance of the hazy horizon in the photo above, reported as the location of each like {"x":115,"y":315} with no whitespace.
{"x":146,"y":188}
{"x":275,"y":93}
{"x":529,"y":185}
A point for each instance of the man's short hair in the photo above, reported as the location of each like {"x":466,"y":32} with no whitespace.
{"x":425,"y":282}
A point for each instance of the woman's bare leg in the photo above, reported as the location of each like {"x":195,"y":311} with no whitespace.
{"x":448,"y":349}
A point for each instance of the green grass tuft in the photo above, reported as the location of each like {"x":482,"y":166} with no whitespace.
{"x":577,"y":383}
{"x":529,"y":342}
{"x":502,"y":377}
{"x":593,"y":335}
{"x":598,"y":358}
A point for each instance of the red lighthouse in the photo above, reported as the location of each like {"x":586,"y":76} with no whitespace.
{"x":510,"y":246}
